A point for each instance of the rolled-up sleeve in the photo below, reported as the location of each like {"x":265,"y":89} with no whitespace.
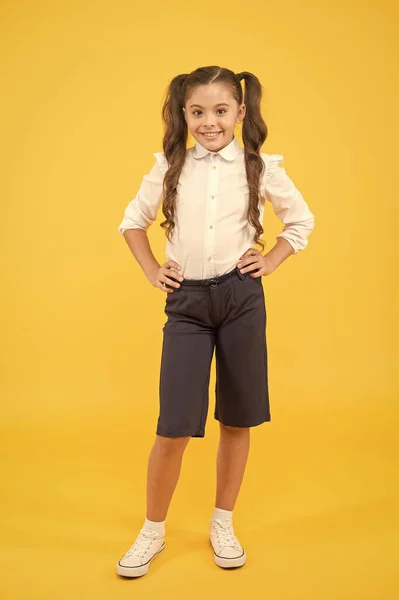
{"x":288,"y":204}
{"x":141,"y":212}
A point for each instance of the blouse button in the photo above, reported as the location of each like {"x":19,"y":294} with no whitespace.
{"x":213,"y":197}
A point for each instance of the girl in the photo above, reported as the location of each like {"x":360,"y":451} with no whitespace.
{"x":213,"y":197}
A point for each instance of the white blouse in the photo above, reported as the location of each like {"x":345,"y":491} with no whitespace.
{"x":211,"y":226}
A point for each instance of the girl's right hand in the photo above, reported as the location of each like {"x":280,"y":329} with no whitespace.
{"x":158,"y":277}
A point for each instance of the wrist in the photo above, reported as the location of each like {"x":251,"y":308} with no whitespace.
{"x":280,"y":252}
{"x":270,"y":264}
{"x":151,"y":269}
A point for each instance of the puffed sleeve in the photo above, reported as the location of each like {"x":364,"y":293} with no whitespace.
{"x":141,"y":212}
{"x":288,"y":203}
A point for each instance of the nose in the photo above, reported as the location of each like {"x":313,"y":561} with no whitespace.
{"x":210,"y":121}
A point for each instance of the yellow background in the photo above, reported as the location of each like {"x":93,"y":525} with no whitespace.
{"x":83,"y":84}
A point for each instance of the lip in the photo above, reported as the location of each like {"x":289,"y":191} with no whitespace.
{"x":207,"y":135}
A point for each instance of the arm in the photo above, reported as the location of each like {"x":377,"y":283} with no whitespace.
{"x":291,"y":209}
{"x":157,"y":274}
{"x":254,"y":260}
{"x":289,"y":206}
{"x":137,"y":240}
{"x":279,"y":253}
{"x":139,"y":216}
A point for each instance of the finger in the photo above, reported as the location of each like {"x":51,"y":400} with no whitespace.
{"x":252,"y":267}
{"x":250,"y":252}
{"x":256,"y":274}
{"x":247,"y":261}
{"x":173,"y":264}
{"x":163,"y":288}
{"x":170,"y":281}
{"x":250,"y":270}
{"x":167,"y":272}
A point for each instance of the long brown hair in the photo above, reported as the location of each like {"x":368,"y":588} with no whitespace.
{"x":254,"y":134}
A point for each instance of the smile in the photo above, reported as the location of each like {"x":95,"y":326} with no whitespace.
{"x":212,"y":135}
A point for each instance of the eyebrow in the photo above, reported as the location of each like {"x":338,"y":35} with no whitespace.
{"x":220,"y":104}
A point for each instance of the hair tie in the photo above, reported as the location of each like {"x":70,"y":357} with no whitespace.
{"x":240,"y":76}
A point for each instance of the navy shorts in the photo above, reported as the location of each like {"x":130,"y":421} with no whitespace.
{"x":227,"y":313}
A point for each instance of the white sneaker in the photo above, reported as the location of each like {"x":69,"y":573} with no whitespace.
{"x":136,"y":562}
{"x":228,"y":551}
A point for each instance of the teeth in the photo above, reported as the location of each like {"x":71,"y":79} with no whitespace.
{"x":211,"y":134}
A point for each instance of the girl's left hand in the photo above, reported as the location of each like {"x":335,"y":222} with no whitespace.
{"x":254,"y":259}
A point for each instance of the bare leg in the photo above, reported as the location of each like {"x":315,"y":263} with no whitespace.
{"x":164,"y":466}
{"x":231,"y":462}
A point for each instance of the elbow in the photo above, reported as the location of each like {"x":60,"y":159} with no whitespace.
{"x":132,"y":224}
{"x":306,"y":227}
{"x":297,"y":234}
{"x":122,"y":230}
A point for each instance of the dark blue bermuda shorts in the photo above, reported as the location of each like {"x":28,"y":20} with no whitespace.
{"x":227,"y":313}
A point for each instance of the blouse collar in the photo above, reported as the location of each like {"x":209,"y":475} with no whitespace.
{"x":229,"y":152}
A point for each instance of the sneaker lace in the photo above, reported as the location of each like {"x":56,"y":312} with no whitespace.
{"x":142,"y":543}
{"x":225,"y":535}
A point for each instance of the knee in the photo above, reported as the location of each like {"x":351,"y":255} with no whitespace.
{"x":233,"y":430}
{"x":168,"y":445}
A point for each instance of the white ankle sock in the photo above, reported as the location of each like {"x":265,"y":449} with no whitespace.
{"x":158,"y":526}
{"x":224,"y":515}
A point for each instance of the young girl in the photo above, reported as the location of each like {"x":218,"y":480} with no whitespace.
{"x":213,"y":197}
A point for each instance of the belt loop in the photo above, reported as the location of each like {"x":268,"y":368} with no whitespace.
{"x":240,"y":275}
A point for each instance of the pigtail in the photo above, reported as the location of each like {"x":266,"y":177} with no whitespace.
{"x":174,"y":147}
{"x":254,"y":134}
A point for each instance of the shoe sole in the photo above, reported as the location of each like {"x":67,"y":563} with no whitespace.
{"x":229,"y":563}
{"x":137,"y":571}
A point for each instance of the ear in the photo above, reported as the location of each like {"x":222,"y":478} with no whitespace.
{"x":184,"y":113}
{"x":241,"y":113}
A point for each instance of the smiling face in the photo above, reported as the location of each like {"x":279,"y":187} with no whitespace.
{"x":211,"y":113}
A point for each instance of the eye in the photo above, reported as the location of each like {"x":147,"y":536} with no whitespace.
{"x":196,"y":111}
{"x":222,"y":109}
